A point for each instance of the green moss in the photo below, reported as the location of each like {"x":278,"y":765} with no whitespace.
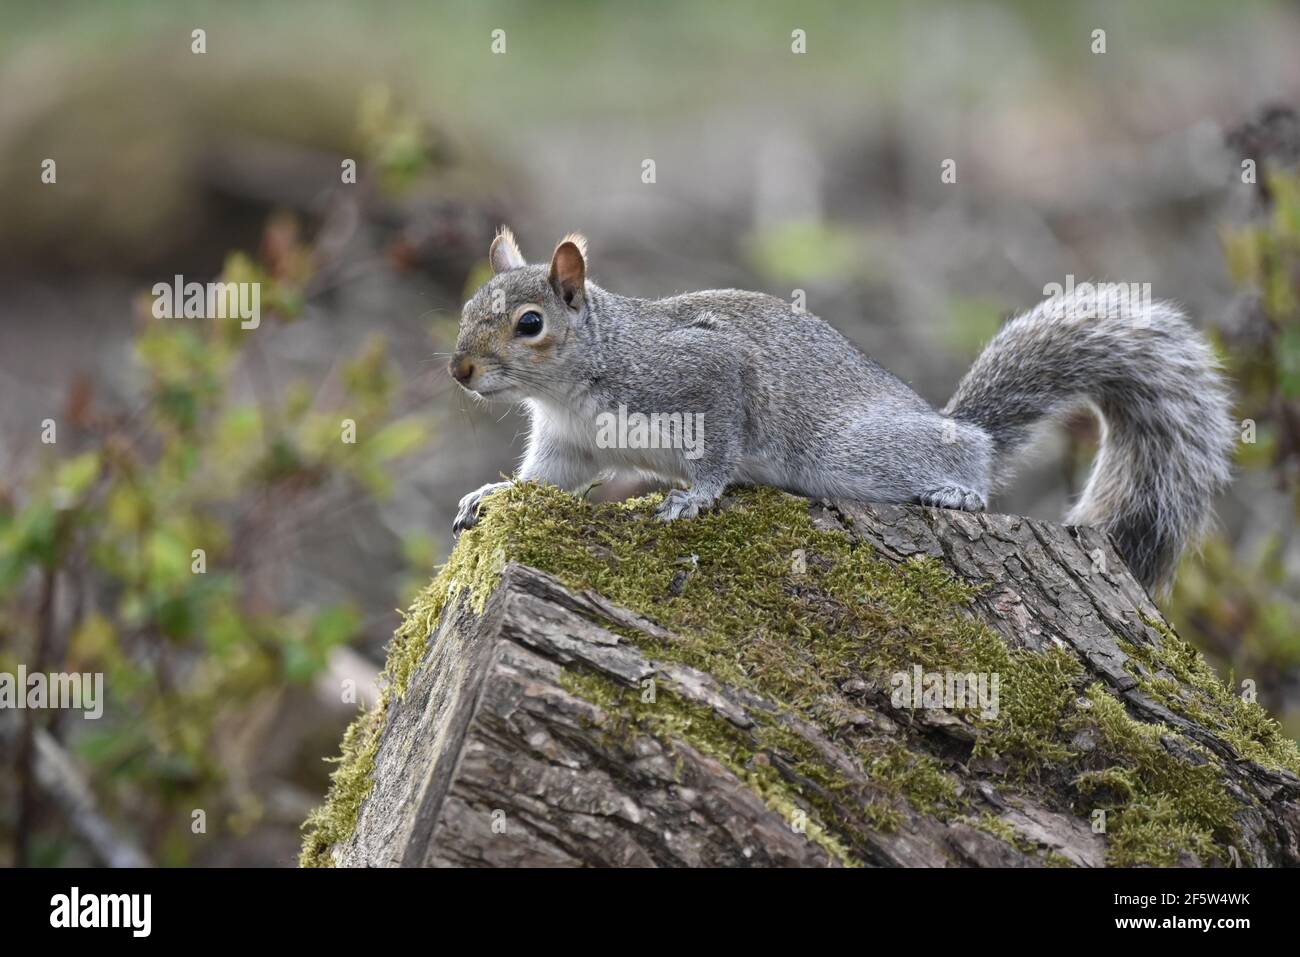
{"x":350,"y":785}
{"x":915,"y":776}
{"x":992,"y":824}
{"x":1180,"y":679}
{"x":475,"y":568}
{"x":740,"y":607}
{"x":1160,"y":803}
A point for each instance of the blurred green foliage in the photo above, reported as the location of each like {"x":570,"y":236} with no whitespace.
{"x":396,"y":141}
{"x":805,"y":250}
{"x":1245,"y":608}
{"x":160,"y":535}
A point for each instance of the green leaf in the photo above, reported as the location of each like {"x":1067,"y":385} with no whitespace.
{"x":75,"y":476}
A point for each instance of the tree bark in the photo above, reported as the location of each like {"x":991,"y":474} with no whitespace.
{"x":493,"y":757}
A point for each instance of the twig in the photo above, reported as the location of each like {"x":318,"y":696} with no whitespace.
{"x":58,"y":776}
{"x":27,"y":738}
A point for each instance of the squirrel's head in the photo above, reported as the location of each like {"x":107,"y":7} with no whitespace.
{"x":522,"y":322}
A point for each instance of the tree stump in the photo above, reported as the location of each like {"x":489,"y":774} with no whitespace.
{"x":534,"y":718}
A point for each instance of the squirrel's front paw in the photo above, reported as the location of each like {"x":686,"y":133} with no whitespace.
{"x":467,"y":510}
{"x":952,"y":496}
{"x":680,"y":504}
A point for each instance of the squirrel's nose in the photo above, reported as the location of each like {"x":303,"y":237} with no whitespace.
{"x":461,"y":369}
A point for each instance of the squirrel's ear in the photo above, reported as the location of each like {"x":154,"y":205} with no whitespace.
{"x":569,"y":269}
{"x":505,"y":254}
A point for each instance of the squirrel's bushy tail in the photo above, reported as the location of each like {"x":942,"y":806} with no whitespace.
{"x":1167,"y":432}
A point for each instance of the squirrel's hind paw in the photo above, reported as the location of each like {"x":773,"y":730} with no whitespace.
{"x":952,"y":496}
{"x":680,"y":504}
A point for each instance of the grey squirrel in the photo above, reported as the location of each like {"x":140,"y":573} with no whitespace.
{"x":789,"y":402}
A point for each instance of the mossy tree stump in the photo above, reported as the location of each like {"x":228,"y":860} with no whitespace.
{"x":582,"y":685}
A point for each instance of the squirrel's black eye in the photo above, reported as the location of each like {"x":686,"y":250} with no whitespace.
{"x":529,"y":324}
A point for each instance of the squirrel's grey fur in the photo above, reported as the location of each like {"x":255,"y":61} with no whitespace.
{"x":789,"y":402}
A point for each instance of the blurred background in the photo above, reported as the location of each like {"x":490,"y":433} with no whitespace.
{"x":231,"y":672}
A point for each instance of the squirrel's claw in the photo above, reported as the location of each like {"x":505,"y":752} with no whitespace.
{"x":952,"y":496}
{"x":465,"y":518}
{"x":468,"y":508}
{"x":679,"y":504}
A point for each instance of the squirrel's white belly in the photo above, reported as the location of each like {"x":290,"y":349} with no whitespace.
{"x":665,"y":464}
{"x":618,"y":440}
{"x":653,"y":444}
